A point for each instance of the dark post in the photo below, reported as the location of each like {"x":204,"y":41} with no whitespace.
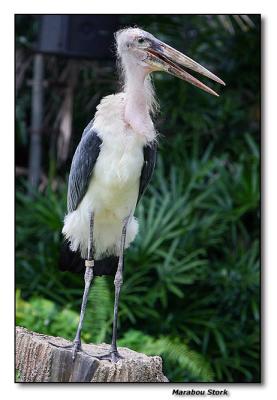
{"x":36,"y":122}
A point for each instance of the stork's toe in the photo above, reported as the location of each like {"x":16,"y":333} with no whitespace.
{"x":112,"y":356}
{"x":75,"y":347}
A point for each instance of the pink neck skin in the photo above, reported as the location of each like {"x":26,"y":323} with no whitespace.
{"x":136,"y":112}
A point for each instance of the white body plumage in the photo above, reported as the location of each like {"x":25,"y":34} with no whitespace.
{"x":114,"y":185}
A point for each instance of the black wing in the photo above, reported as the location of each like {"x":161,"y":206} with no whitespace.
{"x":82,"y":166}
{"x":150,"y":155}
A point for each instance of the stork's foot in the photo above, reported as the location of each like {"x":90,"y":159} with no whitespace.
{"x":75,"y":347}
{"x":112,"y":356}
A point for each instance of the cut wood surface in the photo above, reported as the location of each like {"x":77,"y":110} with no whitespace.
{"x":39,"y":361}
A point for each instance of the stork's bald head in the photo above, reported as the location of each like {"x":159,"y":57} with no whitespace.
{"x":136,"y":47}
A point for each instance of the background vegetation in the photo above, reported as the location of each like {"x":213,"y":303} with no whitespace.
{"x":191,"y":290}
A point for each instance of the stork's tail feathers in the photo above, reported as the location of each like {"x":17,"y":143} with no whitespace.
{"x":72,"y":261}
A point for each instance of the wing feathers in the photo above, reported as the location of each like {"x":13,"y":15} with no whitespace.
{"x":150,"y":156}
{"x":82,"y":166}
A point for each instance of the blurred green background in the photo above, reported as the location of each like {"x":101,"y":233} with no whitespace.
{"x":191,"y":289}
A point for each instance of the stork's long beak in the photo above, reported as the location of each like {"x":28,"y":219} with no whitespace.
{"x":164,"y":58}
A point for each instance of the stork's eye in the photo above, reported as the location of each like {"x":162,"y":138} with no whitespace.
{"x":141,"y":40}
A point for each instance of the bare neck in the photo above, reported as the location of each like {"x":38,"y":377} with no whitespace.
{"x":138,"y":102}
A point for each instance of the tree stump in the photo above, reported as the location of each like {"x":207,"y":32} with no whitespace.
{"x":39,"y":361}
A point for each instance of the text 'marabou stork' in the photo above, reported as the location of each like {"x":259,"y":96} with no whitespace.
{"x":113,"y":165}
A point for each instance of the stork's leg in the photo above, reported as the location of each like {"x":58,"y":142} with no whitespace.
{"x":113,"y":354}
{"x":89,"y":263}
{"x":88,"y":278}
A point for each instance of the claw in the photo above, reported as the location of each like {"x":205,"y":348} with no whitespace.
{"x":61,"y":347}
{"x":75,"y":347}
{"x":112,"y":356}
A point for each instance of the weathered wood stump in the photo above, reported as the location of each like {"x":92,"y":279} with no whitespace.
{"x":39,"y":361}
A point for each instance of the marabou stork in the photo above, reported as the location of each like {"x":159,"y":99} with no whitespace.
{"x":113,"y":165}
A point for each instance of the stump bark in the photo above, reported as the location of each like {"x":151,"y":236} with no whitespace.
{"x":39,"y":361}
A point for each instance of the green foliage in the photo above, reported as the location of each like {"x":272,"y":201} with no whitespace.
{"x":17,"y":376}
{"x":38,"y":239}
{"x":179,"y":357}
{"x":191,"y":283}
{"x":43,"y":315}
